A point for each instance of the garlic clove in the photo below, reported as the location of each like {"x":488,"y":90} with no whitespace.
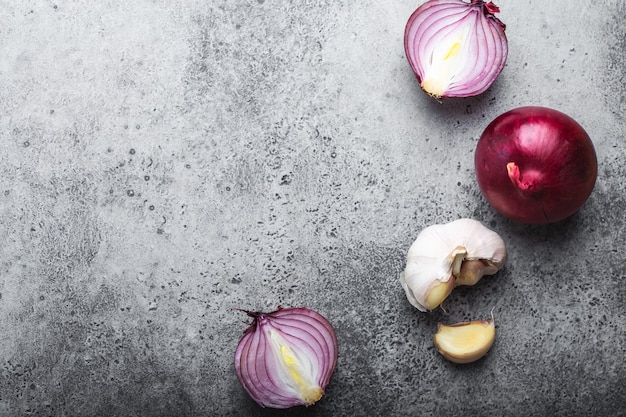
{"x":465,"y":342}
{"x":421,"y":278}
{"x":473,"y":270}
{"x":438,"y":293}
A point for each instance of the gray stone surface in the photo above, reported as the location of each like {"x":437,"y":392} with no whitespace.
{"x":163,"y":162}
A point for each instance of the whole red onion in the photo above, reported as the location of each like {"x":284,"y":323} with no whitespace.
{"x":286,"y":358}
{"x":535,"y":165}
{"x":455,"y":48}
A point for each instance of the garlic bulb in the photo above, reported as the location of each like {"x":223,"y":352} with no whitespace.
{"x":446,"y":255}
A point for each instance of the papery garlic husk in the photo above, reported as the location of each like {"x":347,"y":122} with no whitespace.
{"x":465,"y":342}
{"x":446,"y":255}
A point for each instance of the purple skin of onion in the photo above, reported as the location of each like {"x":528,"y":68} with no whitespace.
{"x":535,"y":165}
{"x":286,"y":358}
{"x":455,"y":48}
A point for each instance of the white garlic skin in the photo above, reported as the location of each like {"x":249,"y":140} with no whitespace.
{"x":431,"y":258}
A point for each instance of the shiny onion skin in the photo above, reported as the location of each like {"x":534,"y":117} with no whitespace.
{"x":535,"y":165}
{"x":455,"y":48}
{"x":287,"y":357}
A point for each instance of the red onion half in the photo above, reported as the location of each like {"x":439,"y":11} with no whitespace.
{"x":286,"y":357}
{"x":456,"y":49}
{"x":535,"y":165}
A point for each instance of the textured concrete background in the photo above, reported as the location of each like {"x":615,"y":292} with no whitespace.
{"x":163,"y":162}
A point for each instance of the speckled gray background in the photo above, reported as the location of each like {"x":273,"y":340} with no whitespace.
{"x":163,"y":162}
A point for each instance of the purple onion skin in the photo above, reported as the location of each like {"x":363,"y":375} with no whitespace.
{"x":258,"y":365}
{"x":555,"y":157}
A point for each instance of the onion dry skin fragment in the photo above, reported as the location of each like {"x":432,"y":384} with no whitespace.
{"x":455,"y":48}
{"x":535,"y":165}
{"x":287,"y":357}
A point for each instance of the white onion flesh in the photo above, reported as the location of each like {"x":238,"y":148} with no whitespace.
{"x":287,"y":357}
{"x":455,"y":48}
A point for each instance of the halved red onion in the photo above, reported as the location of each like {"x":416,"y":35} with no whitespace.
{"x":455,"y":48}
{"x":286,"y":358}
